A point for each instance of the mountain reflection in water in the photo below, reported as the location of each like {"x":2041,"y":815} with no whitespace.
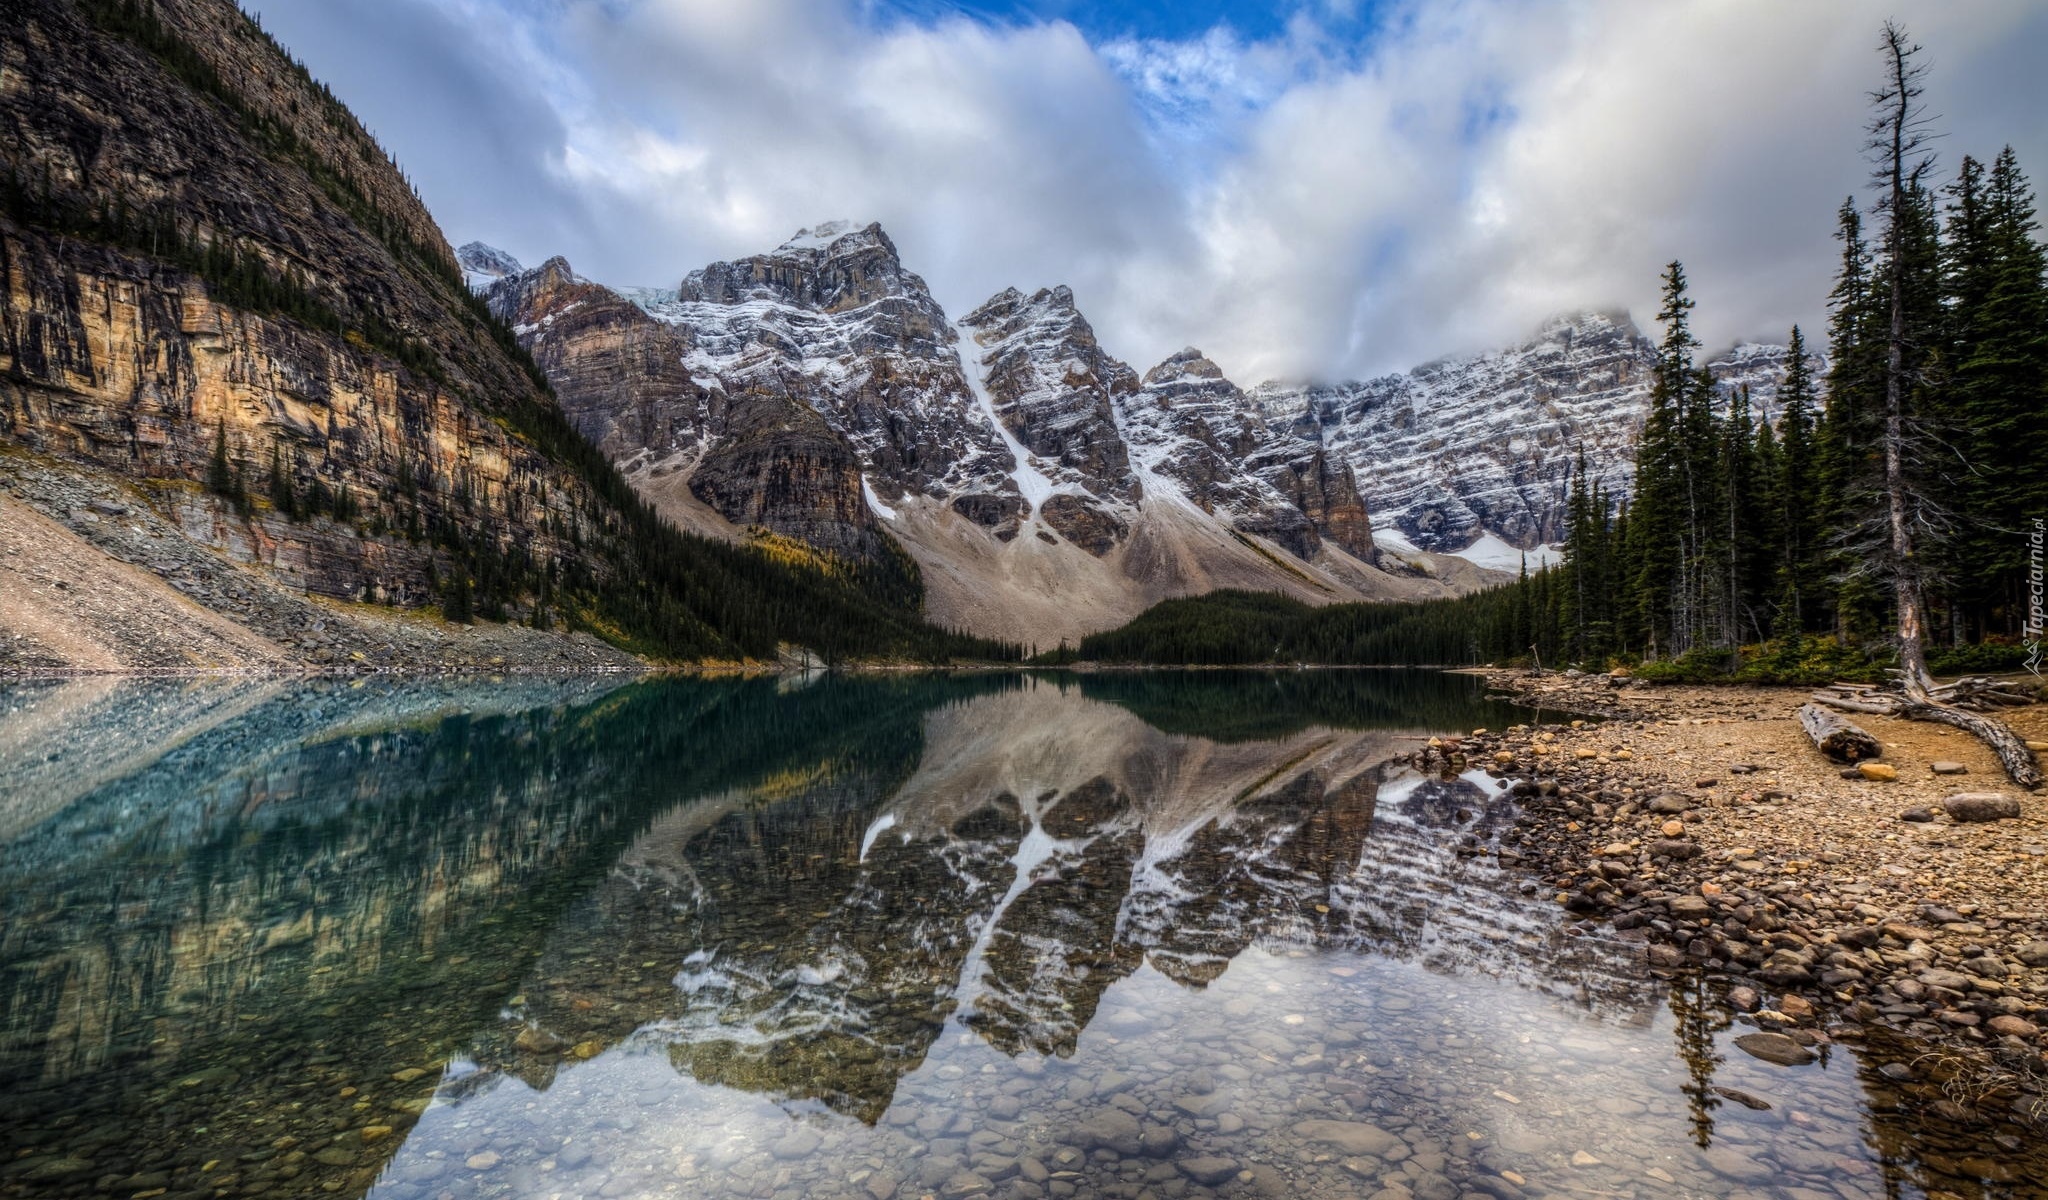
{"x":1180,"y":933}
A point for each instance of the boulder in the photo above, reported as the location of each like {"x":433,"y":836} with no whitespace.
{"x":1208,"y":1170}
{"x":1349,"y":1137}
{"x":1775,"y":1048}
{"x":1111,"y":1128}
{"x":1971,"y":807}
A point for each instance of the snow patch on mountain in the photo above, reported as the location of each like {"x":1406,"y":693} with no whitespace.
{"x":1496,"y":555}
{"x":483,"y":265}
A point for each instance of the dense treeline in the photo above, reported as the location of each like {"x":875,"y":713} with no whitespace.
{"x":1887,"y":506}
{"x":1234,"y":628}
{"x":1741,"y":532}
{"x":610,"y":564}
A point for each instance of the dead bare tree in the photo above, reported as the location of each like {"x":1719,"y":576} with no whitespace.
{"x":1898,"y":149}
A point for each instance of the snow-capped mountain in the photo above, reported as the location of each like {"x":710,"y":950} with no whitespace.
{"x":1474,"y":454}
{"x":1195,"y":430}
{"x":484,"y":265}
{"x":820,"y":392}
{"x":1045,"y":488}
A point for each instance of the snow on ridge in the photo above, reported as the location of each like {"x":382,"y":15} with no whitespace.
{"x":819,"y":236}
{"x":1031,"y":482}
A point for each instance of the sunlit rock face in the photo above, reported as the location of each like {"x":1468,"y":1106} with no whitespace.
{"x":746,"y":456}
{"x":356,"y":368}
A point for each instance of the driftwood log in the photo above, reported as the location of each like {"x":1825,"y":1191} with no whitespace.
{"x":2012,"y":752}
{"x":1836,"y":736}
{"x":1882,"y":706}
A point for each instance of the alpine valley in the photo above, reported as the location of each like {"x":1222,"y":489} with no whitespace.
{"x":255,"y":413}
{"x":1045,"y":488}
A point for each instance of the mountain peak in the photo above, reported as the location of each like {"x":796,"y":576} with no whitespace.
{"x":484,"y":264}
{"x":826,"y":234}
{"x":1187,"y":363}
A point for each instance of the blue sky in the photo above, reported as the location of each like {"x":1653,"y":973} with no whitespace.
{"x":1325,"y":189}
{"x":1104,"y":21}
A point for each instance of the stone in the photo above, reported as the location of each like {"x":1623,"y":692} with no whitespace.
{"x":535,"y":1040}
{"x":1743,"y":999}
{"x":2008,"y":1025}
{"x":1775,"y":1048}
{"x":1349,"y":1137}
{"x":964,"y":1183}
{"x":1689,"y":908}
{"x":407,"y":1075}
{"x":55,"y":1170}
{"x":482,"y":1162}
{"x":1971,"y":807}
{"x":2034,"y":954}
{"x":1157,"y":1141}
{"x":1582,"y":1159}
{"x":1945,"y":767}
{"x":1919,"y":813}
{"x":1208,"y":1170}
{"x":1878,"y":772}
{"x":1954,"y":981}
{"x":1674,"y":848}
{"x":1202,"y":1105}
{"x":1743,"y":1098}
{"x":1799,"y":1008}
{"x":1672,"y":829}
{"x":798,"y":1143}
{"x":1110,"y":1128}
{"x":1670,"y":804}
{"x":881,"y":1185}
{"x":375,"y":1133}
{"x":1730,"y":1163}
{"x":2037,"y":747}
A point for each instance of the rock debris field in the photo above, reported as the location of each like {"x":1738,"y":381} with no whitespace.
{"x":1701,"y":822}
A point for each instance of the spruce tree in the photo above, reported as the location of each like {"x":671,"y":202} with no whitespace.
{"x":1799,"y":503}
{"x":1662,"y":507}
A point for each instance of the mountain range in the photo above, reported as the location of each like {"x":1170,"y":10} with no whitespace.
{"x":1046,"y":488}
{"x":256,"y":413}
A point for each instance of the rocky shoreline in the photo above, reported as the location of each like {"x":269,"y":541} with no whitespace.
{"x":1698,"y":822}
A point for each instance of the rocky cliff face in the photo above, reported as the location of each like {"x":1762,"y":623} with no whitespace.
{"x":210,"y":273}
{"x":1204,"y":438}
{"x":1463,"y":448}
{"x":749,"y":455}
{"x":1052,"y":388}
{"x":1045,"y":491}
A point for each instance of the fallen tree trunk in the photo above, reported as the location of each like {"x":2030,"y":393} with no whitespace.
{"x":2012,"y":753}
{"x":1836,"y":736}
{"x":1876,"y":708}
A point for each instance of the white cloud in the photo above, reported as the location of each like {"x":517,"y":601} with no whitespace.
{"x":1294,"y":206}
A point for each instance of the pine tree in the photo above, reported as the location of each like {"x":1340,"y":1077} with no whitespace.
{"x":1664,"y":504}
{"x":1998,"y":310}
{"x":1799,"y":503}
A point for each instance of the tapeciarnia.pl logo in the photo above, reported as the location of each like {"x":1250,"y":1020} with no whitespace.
{"x":2037,"y":618}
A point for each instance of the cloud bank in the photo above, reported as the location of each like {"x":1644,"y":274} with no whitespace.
{"x":1353,"y":193}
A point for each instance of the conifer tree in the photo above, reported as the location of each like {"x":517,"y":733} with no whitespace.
{"x":1798,"y":500}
